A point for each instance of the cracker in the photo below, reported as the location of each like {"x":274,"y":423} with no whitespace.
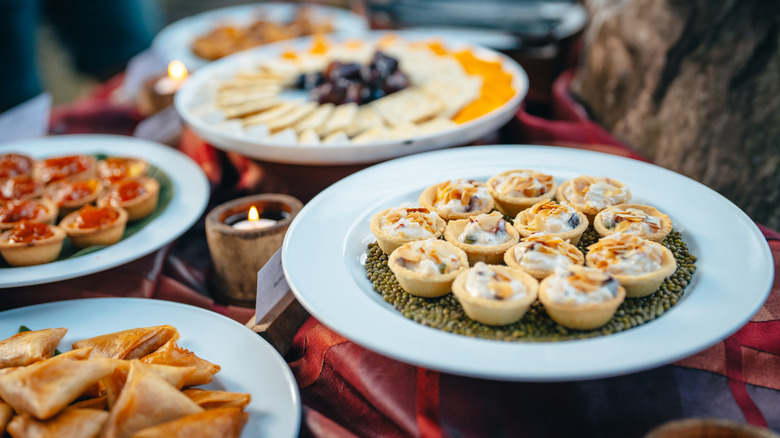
{"x":341,"y":118}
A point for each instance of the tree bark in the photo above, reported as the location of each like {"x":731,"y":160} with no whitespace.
{"x":694,"y":85}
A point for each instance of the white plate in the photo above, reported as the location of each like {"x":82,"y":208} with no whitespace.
{"x":249,"y":364}
{"x":192,"y":94}
{"x":175,"y":40}
{"x":190,"y":195}
{"x":324,"y":245}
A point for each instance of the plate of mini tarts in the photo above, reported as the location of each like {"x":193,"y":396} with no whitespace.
{"x":31,"y":243}
{"x":427,"y":268}
{"x":72,"y":193}
{"x":20,"y":187}
{"x":554,"y":219}
{"x":484,"y":238}
{"x":591,"y":194}
{"x":56,"y":168}
{"x":14,"y":164}
{"x":550,"y":251}
{"x":457,"y":199}
{"x":112,"y":169}
{"x":515,"y":190}
{"x":91,"y":225}
{"x":580,"y":297}
{"x":33,"y":210}
{"x":396,"y":226}
{"x":643,"y":220}
{"x":494,"y":294}
{"x":622,"y":255}
{"x":138,"y":196}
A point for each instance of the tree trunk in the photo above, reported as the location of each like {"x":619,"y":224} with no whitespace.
{"x":695,"y":86}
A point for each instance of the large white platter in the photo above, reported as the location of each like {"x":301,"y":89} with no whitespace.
{"x":193,"y":93}
{"x":175,"y":40}
{"x":325,"y":243}
{"x":249,"y":364}
{"x":190,"y":195}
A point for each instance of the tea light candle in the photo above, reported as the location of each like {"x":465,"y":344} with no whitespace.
{"x":167,"y":85}
{"x":254,"y":221}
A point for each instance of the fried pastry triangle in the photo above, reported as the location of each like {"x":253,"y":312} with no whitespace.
{"x":6,"y":413}
{"x":145,"y":401}
{"x":223,"y":423}
{"x":129,"y":344}
{"x":176,"y":376}
{"x":218,"y":399}
{"x":71,"y":423}
{"x":25,"y":348}
{"x":99,"y":403}
{"x":172,"y":354}
{"x":45,"y":388}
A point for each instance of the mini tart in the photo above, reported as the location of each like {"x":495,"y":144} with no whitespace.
{"x":390,"y":226}
{"x":13,"y":164}
{"x":610,"y":252}
{"x":57,"y":168}
{"x":487,"y":225}
{"x":546,"y":246}
{"x":633,"y":219}
{"x":138,"y":196}
{"x":34,"y":210}
{"x":539,"y":217}
{"x":587,"y":315}
{"x":499,"y":307}
{"x":433,"y":252}
{"x":515,"y":190}
{"x":113,"y":169}
{"x":30,"y":243}
{"x":72,"y":193}
{"x":591,"y":194}
{"x":90,"y":225}
{"x":20,"y":187}
{"x":469,"y":195}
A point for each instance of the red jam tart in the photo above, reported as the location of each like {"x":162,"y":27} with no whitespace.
{"x":113,"y":169}
{"x":55,"y":169}
{"x":138,"y":196}
{"x":20,"y":187}
{"x":31,"y":243}
{"x":70,"y":194}
{"x":90,"y":225}
{"x":14,"y":212}
{"x":12,"y":164}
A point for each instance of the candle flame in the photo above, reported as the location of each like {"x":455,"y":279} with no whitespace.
{"x":253,"y":214}
{"x":176,"y":70}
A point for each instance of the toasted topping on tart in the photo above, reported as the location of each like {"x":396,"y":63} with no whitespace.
{"x":596,"y":192}
{"x":54,"y":169}
{"x":545,"y":253}
{"x":630,"y":221}
{"x":486,"y":282}
{"x":461,"y":196}
{"x":485,"y":230}
{"x":125,"y":191}
{"x":113,"y":169}
{"x":547,"y":216}
{"x":414,"y":222}
{"x":581,"y":285}
{"x":626,"y":254}
{"x":19,"y":187}
{"x":95,"y":217}
{"x":27,"y":232}
{"x":75,"y":190}
{"x":524,"y":184}
{"x":14,"y":165}
{"x":428,"y":257}
{"x":19,"y":210}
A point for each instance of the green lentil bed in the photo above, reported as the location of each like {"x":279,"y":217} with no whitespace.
{"x":445,"y":313}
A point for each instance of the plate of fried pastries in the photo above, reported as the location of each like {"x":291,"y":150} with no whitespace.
{"x":78,"y":204}
{"x":438,"y":259}
{"x":143,"y":368}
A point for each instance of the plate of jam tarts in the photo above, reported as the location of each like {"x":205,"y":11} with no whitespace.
{"x":336,"y":100}
{"x":532,"y":263}
{"x":77,"y":204}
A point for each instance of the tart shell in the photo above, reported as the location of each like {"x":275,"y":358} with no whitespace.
{"x":638,"y":286}
{"x":105,"y":235}
{"x":32,"y":253}
{"x":496,"y":312}
{"x":491,"y":255}
{"x":427,"y":196}
{"x":591,"y":212}
{"x":68,"y":207}
{"x":512,"y":205}
{"x":91,"y":170}
{"x":658,"y":236}
{"x":539,"y":274}
{"x":583,"y":316}
{"x":47,"y":218}
{"x":387,"y":242}
{"x":423,"y":285}
{"x":140,"y":206}
{"x":573,"y":236}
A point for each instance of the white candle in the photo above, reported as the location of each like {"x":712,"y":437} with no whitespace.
{"x":254,"y":225}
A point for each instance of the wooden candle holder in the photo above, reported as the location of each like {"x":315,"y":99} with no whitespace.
{"x":237,"y":255}
{"x":151,"y":102}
